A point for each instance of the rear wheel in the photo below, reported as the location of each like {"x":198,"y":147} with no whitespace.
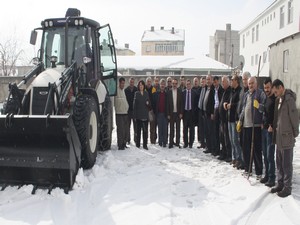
{"x":106,"y":125}
{"x":85,"y":116}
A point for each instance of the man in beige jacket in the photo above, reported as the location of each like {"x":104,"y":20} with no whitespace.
{"x":285,"y":130}
{"x":121,"y":108}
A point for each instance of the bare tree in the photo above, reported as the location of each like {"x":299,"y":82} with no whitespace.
{"x":9,"y":55}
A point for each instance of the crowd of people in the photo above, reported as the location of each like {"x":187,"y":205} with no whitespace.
{"x":234,"y":120}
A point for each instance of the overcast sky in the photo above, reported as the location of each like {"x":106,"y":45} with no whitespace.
{"x":129,"y":18}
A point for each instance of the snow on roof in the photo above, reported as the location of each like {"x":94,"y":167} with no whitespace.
{"x":163,"y":35}
{"x":169,"y":62}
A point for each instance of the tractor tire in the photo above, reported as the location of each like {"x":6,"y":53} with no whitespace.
{"x":106,"y":125}
{"x":10,"y":106}
{"x":86,"y":120}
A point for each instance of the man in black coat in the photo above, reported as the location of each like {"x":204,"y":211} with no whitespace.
{"x":129,"y":92}
{"x":197,"y":88}
{"x":267,"y":146}
{"x":209,"y":108}
{"x":217,"y":138}
{"x":189,"y":115}
{"x":232,"y":107}
{"x":201,"y":127}
{"x":226,"y":150}
{"x":151,"y":90}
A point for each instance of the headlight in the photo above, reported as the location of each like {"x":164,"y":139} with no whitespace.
{"x":76,"y":22}
{"x":46,"y":24}
{"x":81,"y":22}
{"x":51,"y":23}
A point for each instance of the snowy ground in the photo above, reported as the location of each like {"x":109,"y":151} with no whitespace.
{"x":161,"y":186}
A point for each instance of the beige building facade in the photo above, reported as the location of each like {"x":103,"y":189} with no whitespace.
{"x":163,"y":42}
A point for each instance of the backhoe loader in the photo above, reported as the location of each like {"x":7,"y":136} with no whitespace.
{"x":58,"y":117}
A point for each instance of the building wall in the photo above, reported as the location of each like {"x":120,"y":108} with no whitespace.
{"x":124,"y":52}
{"x":224,"y":46}
{"x":269,"y":31}
{"x":289,"y":77}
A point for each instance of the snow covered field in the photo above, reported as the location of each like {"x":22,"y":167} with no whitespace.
{"x":161,"y":186}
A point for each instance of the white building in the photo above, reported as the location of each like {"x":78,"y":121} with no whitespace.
{"x":163,"y":42}
{"x":279,"y":20}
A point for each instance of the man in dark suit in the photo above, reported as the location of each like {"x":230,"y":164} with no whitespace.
{"x":189,"y":115}
{"x":175,"y":112}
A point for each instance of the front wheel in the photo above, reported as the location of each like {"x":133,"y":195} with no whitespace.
{"x":85,"y":116}
{"x":106,"y":125}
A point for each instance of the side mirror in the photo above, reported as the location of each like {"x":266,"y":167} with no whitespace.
{"x":33,"y":37}
{"x":88,"y":35}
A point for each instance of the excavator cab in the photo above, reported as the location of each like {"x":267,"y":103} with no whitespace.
{"x":64,"y":116}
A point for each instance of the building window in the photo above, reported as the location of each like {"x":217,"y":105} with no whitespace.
{"x":286,"y":61}
{"x":271,"y":17}
{"x":290,"y":11}
{"x":243,"y":40}
{"x":281,"y":17}
{"x":256,"y":59}
{"x":274,"y":15}
{"x":148,"y":48}
{"x":252,"y":60}
{"x":257,"y":32}
{"x":265,"y":54}
{"x":253,"y":34}
{"x":174,"y":47}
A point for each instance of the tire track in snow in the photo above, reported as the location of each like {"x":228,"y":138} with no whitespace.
{"x":257,"y":209}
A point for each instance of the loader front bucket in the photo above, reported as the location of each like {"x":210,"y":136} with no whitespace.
{"x":41,"y":150}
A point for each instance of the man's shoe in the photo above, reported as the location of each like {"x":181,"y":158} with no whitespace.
{"x":170,"y":146}
{"x":201,"y":146}
{"x":121,"y":148}
{"x":258,"y":177}
{"x":284,"y":193}
{"x":145,"y":147}
{"x":190,"y":146}
{"x":185,"y":145}
{"x":241,"y":166}
{"x":270,"y":183}
{"x":207,"y":151}
{"x":221,"y":157}
{"x":164,"y":145}
{"x":228,"y":159}
{"x":264,"y":180}
{"x":276,"y":189}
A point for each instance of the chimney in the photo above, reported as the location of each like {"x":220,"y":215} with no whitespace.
{"x":127,"y":46}
{"x":162,"y":28}
{"x":228,"y":26}
{"x":152,"y":28}
{"x":173,"y":31}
